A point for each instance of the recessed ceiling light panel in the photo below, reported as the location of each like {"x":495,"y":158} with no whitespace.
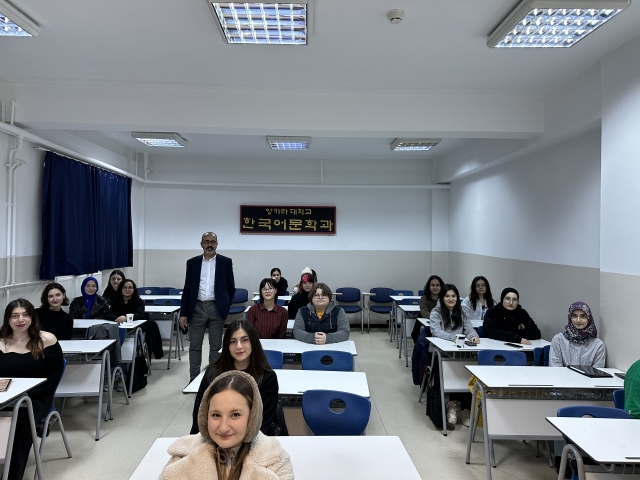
{"x":160,"y":139}
{"x":15,"y":23}
{"x":263,"y":23}
{"x":289,"y":143}
{"x":553,"y":24}
{"x":414,"y":144}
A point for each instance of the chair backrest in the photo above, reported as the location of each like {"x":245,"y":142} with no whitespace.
{"x":541,"y":356}
{"x":175,"y":291}
{"x":481,"y":331}
{"x":381,"y":295}
{"x":327,"y":360}
{"x":164,"y":302}
{"x":165,"y":290}
{"x":150,"y":291}
{"x":420,"y":292}
{"x":592,"y":411}
{"x":409,"y":301}
{"x":402,"y":293}
{"x":241,"y":295}
{"x":280,"y":302}
{"x":618,"y":399}
{"x":493,"y":357}
{"x":348,"y":294}
{"x":122,"y":333}
{"x":274,"y":358}
{"x":316,"y":409}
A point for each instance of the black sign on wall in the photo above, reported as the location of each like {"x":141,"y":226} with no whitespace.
{"x":290,"y":220}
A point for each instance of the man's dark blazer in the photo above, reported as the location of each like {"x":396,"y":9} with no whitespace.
{"x":224,"y":289}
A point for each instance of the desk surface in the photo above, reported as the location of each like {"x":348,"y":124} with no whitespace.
{"x":84,"y":323}
{"x":287,"y":345}
{"x":161,"y":297}
{"x":18,"y":387}
{"x":296,"y":382}
{"x":84,"y":346}
{"x":485,"y":344}
{"x":409,"y":308}
{"x":317,"y":458}
{"x":544,"y":377}
{"x":161,"y":308}
{"x":476,"y":323}
{"x":399,"y":298}
{"x":606,"y":440}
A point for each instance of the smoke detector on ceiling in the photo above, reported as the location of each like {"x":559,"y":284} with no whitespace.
{"x":395,"y":16}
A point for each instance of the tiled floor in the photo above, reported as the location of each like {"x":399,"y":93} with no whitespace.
{"x":161,"y":410}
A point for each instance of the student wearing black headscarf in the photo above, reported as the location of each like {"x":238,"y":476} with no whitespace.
{"x":509,"y":322}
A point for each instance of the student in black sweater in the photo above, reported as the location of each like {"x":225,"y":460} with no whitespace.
{"x":127,"y":301}
{"x":51,"y":317}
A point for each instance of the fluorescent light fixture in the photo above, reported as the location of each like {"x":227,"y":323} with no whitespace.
{"x":160,"y":139}
{"x":289,"y":143}
{"x":414,"y":144}
{"x":263,"y":23}
{"x":553,"y":23}
{"x":15,"y":23}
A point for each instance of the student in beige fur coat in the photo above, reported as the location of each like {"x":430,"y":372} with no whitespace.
{"x":230,"y":445}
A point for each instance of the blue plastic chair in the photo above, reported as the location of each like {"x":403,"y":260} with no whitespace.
{"x":274,"y":358}
{"x":327,"y":360}
{"x":165,"y":290}
{"x":618,"y":399}
{"x":381,"y":295}
{"x":584,"y":411}
{"x":351,"y":295}
{"x":421,"y":292}
{"x":280,"y":302}
{"x":175,"y":291}
{"x":241,"y":297}
{"x":511,"y":359}
{"x":165,"y":302}
{"x":541,"y":356}
{"x":481,"y":332}
{"x":316,"y":410}
{"x":150,"y":291}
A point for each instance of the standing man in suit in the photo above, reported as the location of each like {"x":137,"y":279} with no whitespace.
{"x":207,"y":295}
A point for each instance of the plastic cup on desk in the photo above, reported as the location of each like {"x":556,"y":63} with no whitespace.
{"x":129,"y":318}
{"x":460,"y":340}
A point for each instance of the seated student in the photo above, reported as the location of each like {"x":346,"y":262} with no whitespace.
{"x":479,"y":299}
{"x":308,"y":270}
{"x":90,"y":304}
{"x":446,"y":321}
{"x":280,"y":282}
{"x":632,"y":390}
{"x":229,"y":445}
{"x":428,"y":302}
{"x":579,"y":343}
{"x":300,"y":299}
{"x":51,"y":317}
{"x":26,"y":351}
{"x":115,"y":279}
{"x":269,"y":318}
{"x":127,"y":301}
{"x":321,"y":321}
{"x":509,"y":322}
{"x":242,"y":350}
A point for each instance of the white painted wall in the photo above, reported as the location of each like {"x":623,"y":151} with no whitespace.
{"x":543,"y":207}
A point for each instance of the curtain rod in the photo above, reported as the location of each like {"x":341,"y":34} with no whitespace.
{"x":80,"y":161}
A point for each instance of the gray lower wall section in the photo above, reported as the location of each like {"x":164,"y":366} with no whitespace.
{"x":546,"y":290}
{"x":619,"y":323}
{"x":337,"y":268}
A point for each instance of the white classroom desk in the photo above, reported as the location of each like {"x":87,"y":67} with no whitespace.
{"x":82,"y":323}
{"x":87,"y":379}
{"x":168,"y":327}
{"x":17,"y":393}
{"x":427,"y":322}
{"x":452,"y":361}
{"x":402,"y":311}
{"x":293,"y":383}
{"x":296,"y":347}
{"x":396,"y":303}
{"x":317,"y":458}
{"x":161,"y":297}
{"x":515,"y":401}
{"x":605,"y":440}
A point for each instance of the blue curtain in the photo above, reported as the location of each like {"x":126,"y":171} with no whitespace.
{"x":86,"y":219}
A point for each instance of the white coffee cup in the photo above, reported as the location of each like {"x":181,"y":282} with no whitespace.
{"x":130,"y":318}
{"x":460,"y":340}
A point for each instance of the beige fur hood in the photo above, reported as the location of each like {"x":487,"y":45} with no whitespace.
{"x":192,"y":458}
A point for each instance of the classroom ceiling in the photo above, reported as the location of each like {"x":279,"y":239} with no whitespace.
{"x":439,"y":49}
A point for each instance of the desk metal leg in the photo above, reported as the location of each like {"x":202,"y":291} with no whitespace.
{"x":443,"y":402}
{"x":403,"y":328}
{"x":173,"y":326}
{"x":477,"y":387}
{"x":34,"y":437}
{"x":137,"y":340}
{"x":105,"y":367}
{"x":179,"y":356}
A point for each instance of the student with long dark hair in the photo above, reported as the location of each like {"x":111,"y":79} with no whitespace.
{"x":479,"y":299}
{"x":428,"y":302}
{"x":229,"y":444}
{"x":28,"y":352}
{"x":242,"y":350}
{"x":127,"y":301}
{"x":280,"y":282}
{"x":115,"y":279}
{"x":269,"y":318}
{"x":446,"y":321}
{"x":51,"y":317}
